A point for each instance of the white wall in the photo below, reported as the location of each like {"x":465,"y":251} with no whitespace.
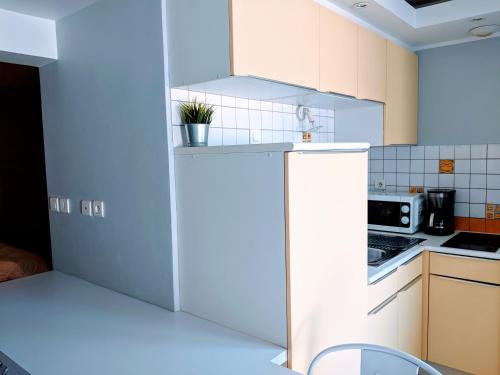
{"x":27,"y":40}
{"x":106,"y":133}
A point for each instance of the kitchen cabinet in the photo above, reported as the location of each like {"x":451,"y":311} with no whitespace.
{"x":401,"y":104}
{"x":396,"y":322}
{"x":410,"y":318}
{"x":338,"y":50}
{"x":276,"y":41}
{"x":464,"y":325}
{"x":259,"y":38}
{"x":383,"y":323}
{"x":372,"y":66}
{"x":464,"y":310}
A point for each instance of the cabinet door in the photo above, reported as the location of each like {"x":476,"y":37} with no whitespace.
{"x":338,"y":54}
{"x":410,"y":318}
{"x":372,"y":66}
{"x":276,"y":40}
{"x":401,"y":107}
{"x":383,"y":323}
{"x":464,"y":325}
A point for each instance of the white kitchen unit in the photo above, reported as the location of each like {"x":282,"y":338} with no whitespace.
{"x":269,"y":236}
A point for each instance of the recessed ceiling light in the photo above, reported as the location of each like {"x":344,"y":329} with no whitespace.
{"x":484,"y":31}
{"x":477,"y":19}
{"x":361,"y":5}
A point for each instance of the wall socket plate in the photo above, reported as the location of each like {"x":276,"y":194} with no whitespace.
{"x":379,"y":184}
{"x":54,"y":204}
{"x":98,"y":209}
{"x":64,"y":205}
{"x":86,"y":208}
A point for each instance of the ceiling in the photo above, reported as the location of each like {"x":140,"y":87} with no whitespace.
{"x":443,"y":23}
{"x":51,"y":9}
{"x":424,"y":3}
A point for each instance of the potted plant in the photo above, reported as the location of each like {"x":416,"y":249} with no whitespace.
{"x":196,"y":118}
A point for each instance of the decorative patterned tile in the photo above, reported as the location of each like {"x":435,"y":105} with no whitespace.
{"x":446,"y":166}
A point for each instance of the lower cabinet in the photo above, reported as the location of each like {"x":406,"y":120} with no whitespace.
{"x":464,"y":325}
{"x":410,"y":318}
{"x":397,"y":322}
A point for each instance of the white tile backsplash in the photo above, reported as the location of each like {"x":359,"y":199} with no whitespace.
{"x":432,"y":152}
{"x":462,"y":152}
{"x":493,"y":151}
{"x":447,"y":152}
{"x":478,"y":151}
{"x":493,"y":166}
{"x":476,"y":178}
{"x":243,"y":121}
{"x":417,"y":152}
{"x":462,"y":166}
{"x":478,"y":181}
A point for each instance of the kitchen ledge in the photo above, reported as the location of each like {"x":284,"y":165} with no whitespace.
{"x":431,"y":243}
{"x":58,"y":324}
{"x":274,"y":147}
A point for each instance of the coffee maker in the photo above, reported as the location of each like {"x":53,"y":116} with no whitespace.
{"x":440,"y":213}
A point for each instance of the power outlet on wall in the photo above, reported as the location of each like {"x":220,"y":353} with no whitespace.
{"x":64,"y":205}
{"x":379,"y":184}
{"x":86,"y":208}
{"x":98,"y":209}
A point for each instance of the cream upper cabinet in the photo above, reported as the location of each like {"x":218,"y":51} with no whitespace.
{"x":372,"y":66}
{"x":338,"y":51}
{"x":401,"y":105}
{"x":276,"y":40}
{"x":410,"y":319}
{"x":464,"y":325}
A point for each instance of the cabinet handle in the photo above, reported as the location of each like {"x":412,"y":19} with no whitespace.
{"x":383,"y":304}
{"x":384,"y":277}
{"x":467,"y":281}
{"x":411,"y":283}
{"x":409,"y":261}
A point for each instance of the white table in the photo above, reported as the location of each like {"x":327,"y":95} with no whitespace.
{"x":55,"y":324}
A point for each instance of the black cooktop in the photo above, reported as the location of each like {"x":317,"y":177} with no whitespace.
{"x":474,"y":241}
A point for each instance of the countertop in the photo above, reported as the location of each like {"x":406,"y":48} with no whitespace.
{"x":431,"y":243}
{"x":273,"y":147}
{"x":58,"y":324}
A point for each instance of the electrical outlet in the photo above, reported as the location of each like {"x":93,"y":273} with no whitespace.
{"x":86,"y":208}
{"x":98,"y":208}
{"x":380,"y":184}
{"x":64,"y":205}
{"x":54,"y":204}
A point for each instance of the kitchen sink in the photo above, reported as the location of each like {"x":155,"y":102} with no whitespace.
{"x":375,"y":255}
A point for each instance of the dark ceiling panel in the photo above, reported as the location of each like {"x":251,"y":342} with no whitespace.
{"x":424,"y":3}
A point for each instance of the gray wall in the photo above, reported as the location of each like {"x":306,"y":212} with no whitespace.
{"x":105,"y":124}
{"x":460,"y":94}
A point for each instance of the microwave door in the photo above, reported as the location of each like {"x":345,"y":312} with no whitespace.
{"x":384,"y":213}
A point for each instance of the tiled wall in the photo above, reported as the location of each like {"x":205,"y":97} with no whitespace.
{"x":243,"y":121}
{"x":476,"y":177}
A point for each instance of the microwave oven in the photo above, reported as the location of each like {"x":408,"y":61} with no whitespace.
{"x":395,"y":212}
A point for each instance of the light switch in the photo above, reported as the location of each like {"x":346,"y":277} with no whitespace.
{"x":86,"y":208}
{"x":98,"y":208}
{"x":64,"y":205}
{"x":54,"y":204}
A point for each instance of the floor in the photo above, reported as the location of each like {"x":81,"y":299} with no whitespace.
{"x":446,"y":370}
